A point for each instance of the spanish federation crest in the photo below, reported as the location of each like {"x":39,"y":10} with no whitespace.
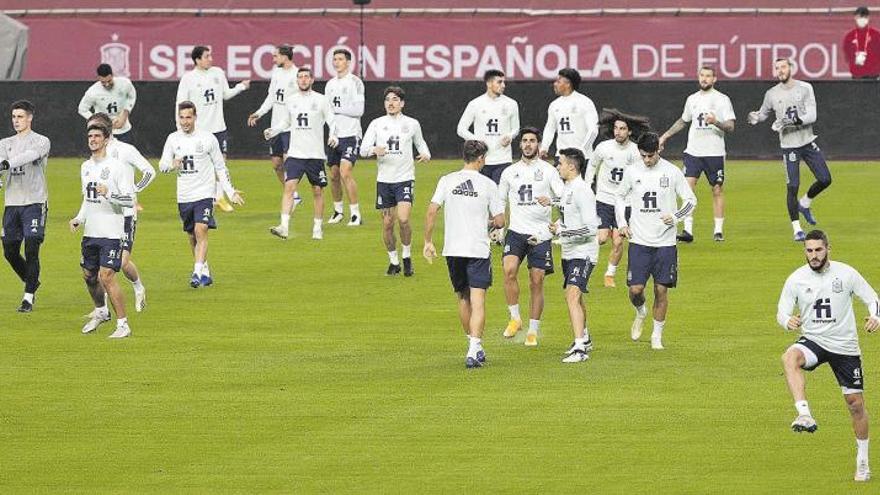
{"x":105,"y":173}
{"x":664,"y":181}
{"x":837,"y":285}
{"x":539,"y":175}
{"x":116,"y":54}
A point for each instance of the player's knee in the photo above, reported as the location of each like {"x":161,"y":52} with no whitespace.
{"x":602,"y":237}
{"x":403,"y":222}
{"x":855,"y":404}
{"x":793,"y":358}
{"x":825,"y":181}
{"x":105,"y":275}
{"x":91,"y":278}
{"x":717,"y":190}
{"x":32,"y":247}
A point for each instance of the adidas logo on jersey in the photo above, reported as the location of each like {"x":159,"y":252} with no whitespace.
{"x":466,"y":188}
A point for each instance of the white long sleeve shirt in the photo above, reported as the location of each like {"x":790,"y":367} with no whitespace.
{"x":25,"y":181}
{"x":346,"y":96}
{"x":610,"y":160}
{"x":798,"y":101}
{"x":307,"y":113}
{"x":281,"y":87}
{"x":574,"y":122}
{"x":122,"y":96}
{"x":102,"y":216}
{"x":202,"y":165}
{"x":579,"y":222}
{"x":520,"y":186}
{"x":208,"y":89}
{"x":133,"y":160}
{"x":492,"y":119}
{"x":398,"y":134}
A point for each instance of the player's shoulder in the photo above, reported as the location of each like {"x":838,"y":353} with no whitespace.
{"x":95,"y":88}
{"x":843,"y":268}
{"x":604,"y":145}
{"x":123,"y":80}
{"x":36,"y":136}
{"x":803,"y":84}
{"x":214,"y":70}
{"x":410,"y":120}
{"x":670,"y":167}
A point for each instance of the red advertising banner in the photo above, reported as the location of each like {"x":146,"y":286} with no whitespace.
{"x":444,"y":48}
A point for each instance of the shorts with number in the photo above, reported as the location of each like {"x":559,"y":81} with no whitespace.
{"x":576,"y":272}
{"x":494,"y":171}
{"x":201,"y":211}
{"x":347,"y":149}
{"x":101,"y":253}
{"x":712,"y":166}
{"x":24,"y":222}
{"x":539,"y":256}
{"x":607,"y":217}
{"x":389,"y":194}
{"x":222,"y":140}
{"x":278,"y":145}
{"x":129,"y":234}
{"x":295,"y":168}
{"x":467,"y":273}
{"x":659,"y":263}
{"x":847,"y":369}
{"x":812,"y":156}
{"x":126,"y":137}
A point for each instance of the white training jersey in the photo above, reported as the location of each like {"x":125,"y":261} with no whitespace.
{"x":469,"y":199}
{"x":824,"y":302}
{"x":521,"y":185}
{"x":492,"y":120}
{"x":133,"y":160}
{"x":281,"y":87}
{"x":102,"y":216}
{"x":398,"y":134}
{"x":798,"y":101}
{"x":25,"y":181}
{"x":346,"y":96}
{"x":122,"y":96}
{"x":307,"y":112}
{"x":574,"y":122}
{"x":579,"y":222}
{"x":207,"y":89}
{"x":706,"y":139}
{"x":653,"y":192}
{"x":610,"y":160}
{"x":202,"y":165}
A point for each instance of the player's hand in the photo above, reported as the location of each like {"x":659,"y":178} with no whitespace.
{"x":554,"y":228}
{"x":710,"y":118}
{"x":237,"y":198}
{"x":794,"y":323}
{"x":332,"y":141}
{"x":496,"y":235}
{"x":269,"y":133}
{"x":423,"y":158}
{"x":429,"y":252}
{"x":533,"y":240}
{"x":74,"y":224}
{"x":667,"y":219}
{"x":101,"y":190}
{"x":872,"y":323}
{"x":505,"y":141}
{"x":246,"y":83}
{"x":544,"y":201}
{"x":252,"y":119}
{"x":118,"y":122}
{"x":379,"y":150}
{"x":625,"y":232}
{"x":753,"y":117}
{"x":543,"y":154}
{"x":176,"y":163}
{"x":662,"y":142}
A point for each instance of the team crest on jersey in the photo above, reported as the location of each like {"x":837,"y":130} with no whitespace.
{"x":569,"y":198}
{"x":837,"y":286}
{"x":314,"y":107}
{"x":404,"y":129}
{"x":105,"y":173}
{"x":200,"y":148}
{"x":539,"y":175}
{"x":216,"y":80}
{"x":664,"y":181}
{"x":115,"y":55}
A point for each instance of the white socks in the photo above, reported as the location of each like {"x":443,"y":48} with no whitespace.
{"x":138,"y":285}
{"x":317,"y":223}
{"x":355,"y":209}
{"x":121,"y":322}
{"x":514,"y":312}
{"x":475,"y":344}
{"x":28,"y":297}
{"x":805,"y":201}
{"x":719,"y":225}
{"x":641,"y":311}
{"x":534,"y":326}
{"x":862,"y":446}
{"x":658,"y":327}
{"x":337,"y":207}
{"x":802,"y":408}
{"x":796,"y":226}
{"x":407,"y":251}
{"x":689,"y":224}
{"x":611,"y":270}
{"x":285,"y":221}
{"x":392,"y":257}
{"x":198,"y":267}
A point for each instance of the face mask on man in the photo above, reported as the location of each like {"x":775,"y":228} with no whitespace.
{"x":861,"y":22}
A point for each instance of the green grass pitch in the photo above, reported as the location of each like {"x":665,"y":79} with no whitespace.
{"x":305,"y":370}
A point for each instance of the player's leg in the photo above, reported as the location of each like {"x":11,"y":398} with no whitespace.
{"x":791,"y":159}
{"x":815,"y":160}
{"x":799,"y":357}
{"x":575,"y":274}
{"x":404,"y":211}
{"x":336,"y":193}
{"x":107,"y":278}
{"x":687,"y":232}
{"x":608,"y":230}
{"x":293,"y":172}
{"x":13,"y":236}
{"x":693,"y":168}
{"x":614,"y":258}
{"x":536,"y":305}
{"x":318,"y":217}
{"x":200,"y":254}
{"x":664,"y":271}
{"x":99,"y":313}
{"x":638,"y":270}
{"x":479,"y":279}
{"x":346,"y":173}
{"x":129,"y":269}
{"x":715,"y":176}
{"x":12,"y":253}
{"x":855,"y":402}
{"x":390,"y":241}
{"x":661,"y":305}
{"x":510,"y":266}
{"x":278,"y":167}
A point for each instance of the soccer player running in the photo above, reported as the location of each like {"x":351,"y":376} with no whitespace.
{"x":576,"y":229}
{"x":195,"y":155}
{"x":391,"y":139}
{"x":23,"y":160}
{"x":113,"y":95}
{"x":346,"y":95}
{"x":571,"y":117}
{"x":129,"y":156}
{"x":710,"y":115}
{"x":822,"y":291}
{"x":306,"y":114}
{"x":495,"y":120}
{"x":794,"y":106}
{"x":106,"y":192}
{"x":471,"y":203}
{"x":529,"y":186}
{"x":653,"y":188}
{"x":206,"y":87}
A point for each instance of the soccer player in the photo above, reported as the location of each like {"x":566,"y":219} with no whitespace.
{"x":652,"y":188}
{"x":710,"y":115}
{"x":106,"y":192}
{"x":577,"y":231}
{"x":23,"y":160}
{"x":306,"y":114}
{"x":113,"y":95}
{"x":195,"y":155}
{"x":610,"y":159}
{"x":346,"y":95}
{"x":495,"y":120}
{"x":794,"y":106}
{"x":822,"y":291}
{"x":391,"y":139}
{"x":129,"y":156}
{"x":471,"y":204}
{"x":529,"y":186}
{"x":571,"y":117}
{"x":206,"y":87}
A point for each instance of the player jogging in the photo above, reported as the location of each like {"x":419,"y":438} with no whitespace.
{"x":571,"y":117}
{"x":346,"y":95}
{"x":113,"y":95}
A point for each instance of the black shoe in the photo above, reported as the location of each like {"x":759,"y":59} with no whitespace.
{"x":25,"y":307}
{"x":407,"y":267}
{"x":719,"y":237}
{"x":393,"y":269}
{"x":685,"y":236}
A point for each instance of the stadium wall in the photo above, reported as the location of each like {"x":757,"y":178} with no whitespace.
{"x":845,"y":126}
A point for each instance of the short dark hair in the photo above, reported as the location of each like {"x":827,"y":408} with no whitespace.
{"x":472,"y":150}
{"x":528,"y":130}
{"x":286,"y":50}
{"x":185,"y":105}
{"x":783,"y":59}
{"x":649,"y":142}
{"x":344,"y":52}
{"x":22,"y":105}
{"x":97,"y":127}
{"x":573,"y":76}
{"x":102,"y":118}
{"x":198,"y":51}
{"x":863,"y":11}
{"x":577,"y":156}
{"x":707,"y":67}
{"x":817,"y":235}
{"x":492,"y":73}
{"x":397,"y":90}
{"x":105,"y":70}
{"x":304,"y":68}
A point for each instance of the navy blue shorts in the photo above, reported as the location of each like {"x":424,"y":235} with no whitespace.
{"x":661,"y":263}
{"x":577,"y":273}
{"x":130,"y":229}
{"x":201,"y":211}
{"x":712,"y":166}
{"x":389,"y":194}
{"x":347,"y":150}
{"x":313,"y":168}
{"x":222,"y":140}
{"x":539,"y":256}
{"x":847,"y":369}
{"x":126,"y":137}
{"x":494,"y":171}
{"x":812,"y":156}
{"x":98,"y":253}
{"x":278,"y":145}
{"x":467,"y":273}
{"x":607,"y":218}
{"x":24,"y":222}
